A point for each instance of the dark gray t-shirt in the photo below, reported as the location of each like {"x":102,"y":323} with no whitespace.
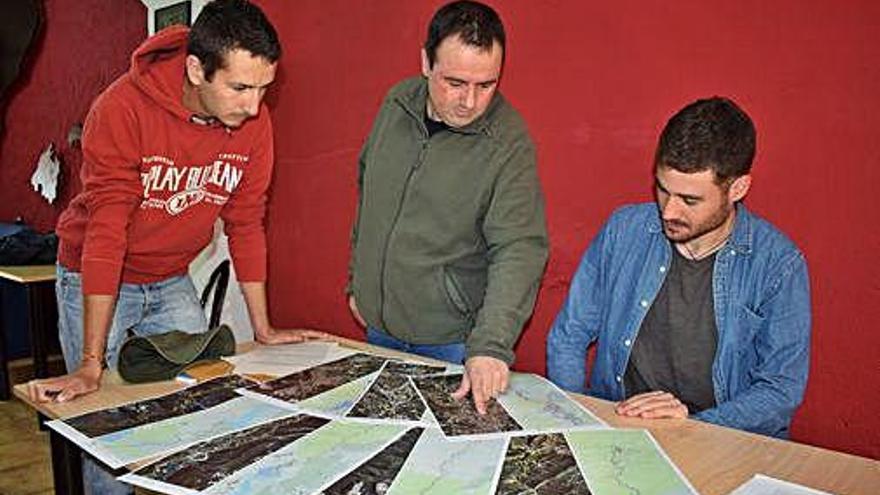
{"x":675,"y":346}
{"x":434,"y":126}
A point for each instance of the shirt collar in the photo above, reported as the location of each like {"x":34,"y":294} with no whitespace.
{"x":740,"y":239}
{"x":415,"y":103}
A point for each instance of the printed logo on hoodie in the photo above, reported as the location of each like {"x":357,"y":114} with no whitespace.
{"x":175,"y":188}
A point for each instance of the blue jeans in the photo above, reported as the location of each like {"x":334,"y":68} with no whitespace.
{"x":143,"y":309}
{"x":452,"y":353}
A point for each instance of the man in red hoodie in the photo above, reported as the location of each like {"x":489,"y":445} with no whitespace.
{"x":181,"y":139}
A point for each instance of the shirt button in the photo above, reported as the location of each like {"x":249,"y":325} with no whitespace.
{"x":627,"y":342}
{"x":618,"y":378}
{"x":644,"y":303}
{"x":662,"y":269}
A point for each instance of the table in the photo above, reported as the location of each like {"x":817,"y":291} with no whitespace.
{"x":39,"y":281}
{"x":714,"y":459}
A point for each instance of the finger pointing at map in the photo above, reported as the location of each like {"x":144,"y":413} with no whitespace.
{"x":485,"y":378}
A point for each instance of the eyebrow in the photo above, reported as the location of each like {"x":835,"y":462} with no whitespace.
{"x":479,"y":83}
{"x":682,"y":196}
{"x":249,"y":86}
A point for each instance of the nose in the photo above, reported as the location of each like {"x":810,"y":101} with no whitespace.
{"x":252,"y":105}
{"x":670,"y":209}
{"x":470,"y":98}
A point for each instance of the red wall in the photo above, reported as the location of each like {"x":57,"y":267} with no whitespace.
{"x":595,"y":81}
{"x":77,"y":52}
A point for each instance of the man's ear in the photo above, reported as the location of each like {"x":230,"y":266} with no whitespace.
{"x":739,"y":188}
{"x":194,"y":70}
{"x":426,"y":66}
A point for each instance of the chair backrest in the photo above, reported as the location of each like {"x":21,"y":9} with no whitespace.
{"x":218,"y":281}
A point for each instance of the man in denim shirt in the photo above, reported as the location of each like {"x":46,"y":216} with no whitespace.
{"x":699,"y":307}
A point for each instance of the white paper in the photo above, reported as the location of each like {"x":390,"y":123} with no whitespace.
{"x":156,"y":486}
{"x":280,"y":360}
{"x":765,"y":485}
{"x":45,"y":178}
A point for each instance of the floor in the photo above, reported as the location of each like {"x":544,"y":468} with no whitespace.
{"x":24,"y":452}
{"x":25,"y":466}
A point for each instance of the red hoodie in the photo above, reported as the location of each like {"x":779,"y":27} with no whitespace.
{"x":155,"y":181}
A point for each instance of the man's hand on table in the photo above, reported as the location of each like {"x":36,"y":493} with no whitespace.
{"x":274,"y":336}
{"x":652,"y":405}
{"x":85,"y":380}
{"x":485,"y":377}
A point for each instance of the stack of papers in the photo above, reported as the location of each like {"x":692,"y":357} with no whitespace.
{"x":277,"y":359}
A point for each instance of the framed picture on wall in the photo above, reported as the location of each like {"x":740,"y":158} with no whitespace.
{"x":176,"y":13}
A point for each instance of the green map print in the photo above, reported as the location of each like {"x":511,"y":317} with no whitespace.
{"x":437,"y":466}
{"x":626,"y":462}
{"x":538,"y":405}
{"x":312,"y":462}
{"x":133,"y":444}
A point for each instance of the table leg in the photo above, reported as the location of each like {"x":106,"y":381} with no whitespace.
{"x":66,"y":465}
{"x":4,"y":369}
{"x":38,"y":326}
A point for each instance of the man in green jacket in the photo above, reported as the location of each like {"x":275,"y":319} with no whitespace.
{"x":450,"y":243}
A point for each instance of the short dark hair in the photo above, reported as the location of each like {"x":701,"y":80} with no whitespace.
{"x":713,"y":133}
{"x":226,"y":25}
{"x":475,"y":23}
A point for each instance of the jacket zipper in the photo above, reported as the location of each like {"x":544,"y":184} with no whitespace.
{"x":422,"y":152}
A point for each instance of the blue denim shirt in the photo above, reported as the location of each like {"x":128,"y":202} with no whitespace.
{"x":762,"y":312}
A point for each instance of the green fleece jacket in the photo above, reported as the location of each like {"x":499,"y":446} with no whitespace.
{"x":450,"y":241}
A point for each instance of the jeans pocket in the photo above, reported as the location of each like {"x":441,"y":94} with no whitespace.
{"x":67,"y":280}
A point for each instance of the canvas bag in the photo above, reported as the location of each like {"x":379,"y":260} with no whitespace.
{"x":163,"y":356}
